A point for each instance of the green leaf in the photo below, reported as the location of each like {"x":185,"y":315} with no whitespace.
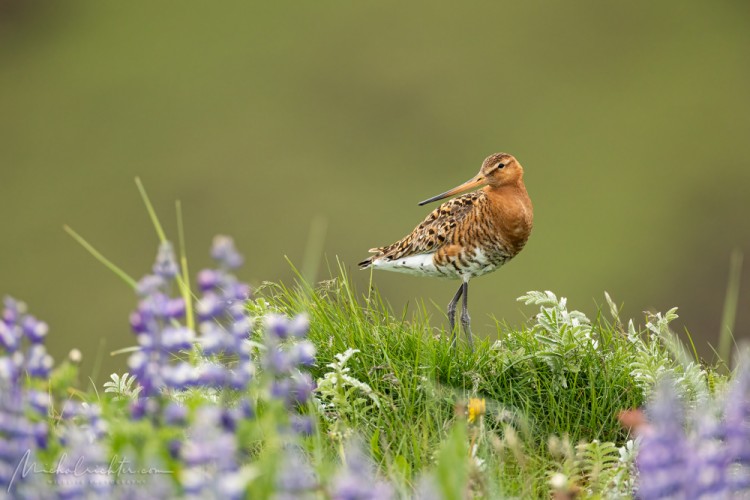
{"x":375,"y":445}
{"x":452,"y":463}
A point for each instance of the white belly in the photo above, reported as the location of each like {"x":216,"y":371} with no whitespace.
{"x":478,"y":264}
{"x":418,"y":265}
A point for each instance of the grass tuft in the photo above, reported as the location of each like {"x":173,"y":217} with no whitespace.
{"x":551,"y":378}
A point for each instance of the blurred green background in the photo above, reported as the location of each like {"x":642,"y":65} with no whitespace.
{"x":631,"y":120}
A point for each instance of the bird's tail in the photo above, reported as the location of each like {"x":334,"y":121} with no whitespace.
{"x":369,"y":260}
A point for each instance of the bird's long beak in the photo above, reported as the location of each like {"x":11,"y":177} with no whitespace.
{"x":474,"y":183}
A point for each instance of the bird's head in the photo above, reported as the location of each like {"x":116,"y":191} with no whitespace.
{"x":499,"y":169}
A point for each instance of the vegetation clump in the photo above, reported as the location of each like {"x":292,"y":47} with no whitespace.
{"x":316,"y":392}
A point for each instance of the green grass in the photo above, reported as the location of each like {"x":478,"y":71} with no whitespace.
{"x":394,"y":383}
{"x":537,"y":383}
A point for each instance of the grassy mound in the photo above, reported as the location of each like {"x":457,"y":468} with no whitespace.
{"x":562,"y":379}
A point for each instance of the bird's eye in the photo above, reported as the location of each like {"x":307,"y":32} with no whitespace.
{"x":500,"y":165}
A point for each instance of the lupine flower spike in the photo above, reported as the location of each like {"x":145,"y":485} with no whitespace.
{"x":23,"y":411}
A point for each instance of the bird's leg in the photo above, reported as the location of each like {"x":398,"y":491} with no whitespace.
{"x":465,"y":319}
{"x":452,"y":313}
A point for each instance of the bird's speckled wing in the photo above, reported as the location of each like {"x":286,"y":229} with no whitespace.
{"x":432,"y":233}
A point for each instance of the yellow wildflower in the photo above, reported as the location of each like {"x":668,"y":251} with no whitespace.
{"x":477,"y":407}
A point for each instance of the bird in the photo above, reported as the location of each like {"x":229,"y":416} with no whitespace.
{"x":467,"y":236}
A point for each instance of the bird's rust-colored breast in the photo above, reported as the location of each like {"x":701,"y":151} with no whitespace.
{"x":512,"y":215}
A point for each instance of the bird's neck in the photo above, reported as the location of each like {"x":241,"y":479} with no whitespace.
{"x":512,"y":212}
{"x":506,"y":194}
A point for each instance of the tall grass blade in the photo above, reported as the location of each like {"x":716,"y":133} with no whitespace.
{"x":184,"y":283}
{"x":306,"y":287}
{"x":125,"y":350}
{"x":183,"y":279}
{"x":98,"y":359}
{"x":729,"y":315}
{"x":151,"y":211}
{"x":101,"y":258}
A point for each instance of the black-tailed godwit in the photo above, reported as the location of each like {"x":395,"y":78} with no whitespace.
{"x":468,"y":236}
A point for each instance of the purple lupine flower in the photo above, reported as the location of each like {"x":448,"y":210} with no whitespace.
{"x":173,"y":447}
{"x":276,"y":325}
{"x":237,"y":290}
{"x":71,"y":409}
{"x":282,"y":360}
{"x":138,"y":322}
{"x":158,"y":484}
{"x":302,"y":425}
{"x":208,"y":279}
{"x":230,"y":417}
{"x":175,"y":414}
{"x":39,"y":363}
{"x":241,"y":323}
{"x":19,"y":437}
{"x":714,"y":462}
{"x":155,"y":306}
{"x":246,"y":408}
{"x":277,"y":361}
{"x":212,"y":375}
{"x":661,"y":460}
{"x":148,"y":369}
{"x":299,"y":326}
{"x":300,"y":389}
{"x":149,"y":285}
{"x":142,"y":407}
{"x":210,"y":306}
{"x":210,"y":457}
{"x":159,"y":334}
{"x":304,"y":353}
{"x":224,"y":320}
{"x":82,"y":452}
{"x":240,"y":378}
{"x":9,"y":338}
{"x":737,"y":429}
{"x":13,"y":309}
{"x":297,"y":479}
{"x":166,"y":262}
{"x":34,"y":329}
{"x":176,"y":308}
{"x":180,"y":375}
{"x":280,"y":389}
{"x":8,"y":368}
{"x":39,"y":401}
{"x":23,"y":423}
{"x":176,"y":339}
{"x":281,"y":327}
{"x":214,"y":339}
{"x":87,"y":416}
{"x":285,"y":353}
{"x":225,"y":253}
{"x":207,"y":444}
{"x":95,"y":423}
{"x":707,"y":456}
{"x":357,"y":480}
